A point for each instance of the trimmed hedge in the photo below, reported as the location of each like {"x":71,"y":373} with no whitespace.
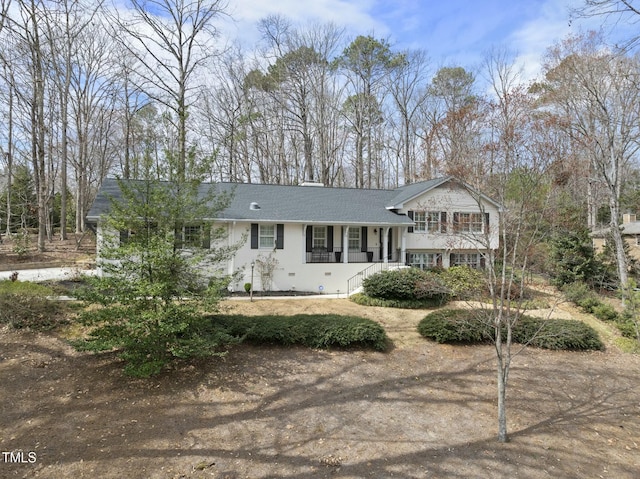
{"x":25,"y":305}
{"x":406,"y":284}
{"x":364,"y":300}
{"x":315,"y":331}
{"x":469,"y":326}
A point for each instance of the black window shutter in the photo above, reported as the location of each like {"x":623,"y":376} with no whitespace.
{"x":279,"y":236}
{"x":443,"y":222}
{"x":452,"y":259}
{"x":486,"y":222}
{"x":254,"y":235}
{"x":410,"y":215}
{"x":206,"y":236}
{"x":363,"y":239}
{"x":456,"y":219}
{"x":124,"y":237}
{"x":329,"y":239}
{"x":309,"y":238}
{"x":483,"y":261}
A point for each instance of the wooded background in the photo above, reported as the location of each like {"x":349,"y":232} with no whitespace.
{"x":88,"y":90}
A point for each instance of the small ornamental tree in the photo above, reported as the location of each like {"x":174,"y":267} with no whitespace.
{"x":158,"y":256}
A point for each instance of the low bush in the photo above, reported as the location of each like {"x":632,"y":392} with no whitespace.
{"x":627,"y":326}
{"x":423,"y":303}
{"x":605,"y":312}
{"x":26,"y":305}
{"x":405,"y":284}
{"x":474,"y":326}
{"x":454,"y":326}
{"x":537,"y":303}
{"x":464,"y":282}
{"x":315,"y":331}
{"x":559,"y":334}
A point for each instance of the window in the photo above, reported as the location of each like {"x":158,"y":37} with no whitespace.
{"x":319,"y":237}
{"x":192,"y":236}
{"x":354,"y":239}
{"x":428,"y":221}
{"x":433,"y":221}
{"x":472,"y":260}
{"x":425,"y":260}
{"x":267,"y":236}
{"x":420,"y":218}
{"x":468,"y":222}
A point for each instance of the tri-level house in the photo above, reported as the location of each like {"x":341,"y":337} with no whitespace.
{"x":322,"y":239}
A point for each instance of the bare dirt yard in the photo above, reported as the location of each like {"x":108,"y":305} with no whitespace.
{"x":420,"y":410}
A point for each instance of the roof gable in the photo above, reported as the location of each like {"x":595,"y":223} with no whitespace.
{"x":407,"y":193}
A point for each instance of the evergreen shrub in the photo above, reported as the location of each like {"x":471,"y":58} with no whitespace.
{"x":314,"y":331}
{"x":474,"y":326}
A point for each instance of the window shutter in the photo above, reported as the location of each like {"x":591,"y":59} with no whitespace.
{"x":410,"y":215}
{"x":309,"y":238}
{"x":483,"y":261}
{"x":124,"y":237}
{"x":363,"y":239}
{"x":206,"y":236}
{"x":254,"y":235}
{"x":329,"y":239}
{"x":279,"y":236}
{"x":486,"y":223}
{"x":439,"y":260}
{"x":443,"y":222}
{"x":452,"y":259}
{"x":456,"y":219}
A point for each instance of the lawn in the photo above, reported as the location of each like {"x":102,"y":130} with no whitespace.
{"x":419,"y":410}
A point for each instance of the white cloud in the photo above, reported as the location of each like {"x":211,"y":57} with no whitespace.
{"x":353,"y":15}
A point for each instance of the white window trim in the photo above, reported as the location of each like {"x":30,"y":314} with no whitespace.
{"x":357,"y":235}
{"x":316,"y":240}
{"x":266,"y":237}
{"x":466,"y":226}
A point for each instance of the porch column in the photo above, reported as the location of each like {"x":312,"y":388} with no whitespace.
{"x":403,"y":245}
{"x":385,"y":245}
{"x":345,"y":245}
{"x":231,"y":238}
{"x":304,"y":243}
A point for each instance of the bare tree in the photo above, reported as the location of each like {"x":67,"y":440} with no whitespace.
{"x":409,"y":95}
{"x":171,"y":40}
{"x":599,"y":91}
{"x":65,"y":25}
{"x":517,"y":178}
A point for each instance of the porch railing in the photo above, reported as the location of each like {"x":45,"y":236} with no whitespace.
{"x":372,"y":255}
{"x":356,"y":280}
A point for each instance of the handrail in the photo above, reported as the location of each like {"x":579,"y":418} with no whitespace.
{"x":356,"y":280}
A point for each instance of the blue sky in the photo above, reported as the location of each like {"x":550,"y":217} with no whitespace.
{"x":453,"y":32}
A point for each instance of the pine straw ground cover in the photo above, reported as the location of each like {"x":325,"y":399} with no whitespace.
{"x":419,"y":410}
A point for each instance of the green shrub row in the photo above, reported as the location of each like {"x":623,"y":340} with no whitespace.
{"x":587,"y":300}
{"x":425,"y":303}
{"x":26,"y":305}
{"x":475,"y":326}
{"x":315,"y":331}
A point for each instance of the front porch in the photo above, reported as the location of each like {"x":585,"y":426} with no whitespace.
{"x":353,"y":244}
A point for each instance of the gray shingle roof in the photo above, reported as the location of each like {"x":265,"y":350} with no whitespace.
{"x":302,"y":204}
